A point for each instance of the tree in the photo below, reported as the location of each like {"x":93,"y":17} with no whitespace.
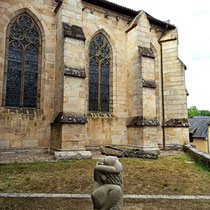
{"x":193,"y":111}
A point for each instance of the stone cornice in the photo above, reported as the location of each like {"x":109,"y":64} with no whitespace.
{"x":68,"y":71}
{"x":149,"y":83}
{"x":73,"y":31}
{"x":146,"y":52}
{"x":139,"y":121}
{"x":70,"y":119}
{"x":181,"y":122}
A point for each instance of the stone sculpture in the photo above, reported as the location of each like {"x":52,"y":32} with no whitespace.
{"x":107,"y":190}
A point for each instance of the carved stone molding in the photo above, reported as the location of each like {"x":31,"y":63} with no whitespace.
{"x":73,"y":31}
{"x":181,"y":122}
{"x":149,"y":83}
{"x":68,"y":71}
{"x":70,"y":119}
{"x":146,"y":52}
{"x":139,"y":121}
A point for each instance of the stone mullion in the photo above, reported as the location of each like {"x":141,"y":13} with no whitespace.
{"x":99,"y":85}
{"x":22,"y":77}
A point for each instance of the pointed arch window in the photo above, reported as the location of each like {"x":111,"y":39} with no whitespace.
{"x":22,"y":72}
{"x":100,"y":54}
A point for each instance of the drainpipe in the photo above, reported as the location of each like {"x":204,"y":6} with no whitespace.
{"x":162,"y":87}
{"x":60,"y":2}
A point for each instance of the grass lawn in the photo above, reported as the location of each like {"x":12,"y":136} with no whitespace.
{"x":86,"y":204}
{"x":172,"y":175}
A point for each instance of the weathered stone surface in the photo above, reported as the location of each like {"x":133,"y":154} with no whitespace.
{"x":128,"y":152}
{"x":73,"y":155}
{"x":149,"y":83}
{"x":175,"y":147}
{"x":107,"y":189}
{"x":63,"y":44}
{"x":182,"y":122}
{"x":140,"y":121}
{"x":198,"y":155}
{"x":4,"y":144}
{"x":73,"y":31}
{"x":139,"y":153}
{"x":30,"y":143}
{"x":70,"y":119}
{"x":68,"y":71}
{"x":146,"y":52}
{"x":111,"y":150}
{"x":177,"y":135}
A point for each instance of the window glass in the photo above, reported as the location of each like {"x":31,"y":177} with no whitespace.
{"x":99,"y":73}
{"x":23,"y":62}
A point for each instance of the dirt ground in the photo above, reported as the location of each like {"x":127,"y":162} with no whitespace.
{"x":168,"y":175}
{"x":86,"y":204}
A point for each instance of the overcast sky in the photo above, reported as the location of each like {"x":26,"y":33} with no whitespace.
{"x":192,"y":20}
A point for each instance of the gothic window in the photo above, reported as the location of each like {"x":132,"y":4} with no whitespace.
{"x":99,"y":74}
{"x":24,"y":46}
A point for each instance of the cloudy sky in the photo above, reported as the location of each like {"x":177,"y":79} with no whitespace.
{"x":192,"y":19}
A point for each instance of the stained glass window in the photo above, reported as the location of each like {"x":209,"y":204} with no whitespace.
{"x":99,"y":73}
{"x":23,"y":62}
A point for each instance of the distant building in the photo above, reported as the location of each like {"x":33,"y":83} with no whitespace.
{"x":85,"y":73}
{"x":200,"y":132}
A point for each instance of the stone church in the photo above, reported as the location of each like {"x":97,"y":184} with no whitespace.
{"x":77,"y":74}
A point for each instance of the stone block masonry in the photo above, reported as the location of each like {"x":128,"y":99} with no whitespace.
{"x":62,"y":119}
{"x":198,"y":155}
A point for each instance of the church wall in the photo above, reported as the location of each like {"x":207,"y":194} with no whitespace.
{"x":67,"y":93}
{"x":24,"y":128}
{"x":174,"y":82}
{"x":135,"y":136}
{"x":59,"y":64}
{"x":177,"y":135}
{"x":155,"y":34}
{"x":175,"y":94}
{"x":74,"y":97}
{"x":134,"y":76}
{"x":72,"y":12}
{"x":149,"y":97}
{"x":106,"y":131}
{"x":143,"y":126}
{"x":71,"y":85}
{"x":110,"y":129}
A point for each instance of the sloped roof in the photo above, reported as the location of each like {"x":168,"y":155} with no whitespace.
{"x":113,"y":7}
{"x":199,"y":126}
{"x":127,"y":11}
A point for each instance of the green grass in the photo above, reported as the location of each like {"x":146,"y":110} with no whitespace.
{"x":187,"y":157}
{"x":166,"y":175}
{"x":183,"y":158}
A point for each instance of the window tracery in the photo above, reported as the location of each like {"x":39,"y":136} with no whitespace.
{"x":99,"y":74}
{"x":24,"y":46}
